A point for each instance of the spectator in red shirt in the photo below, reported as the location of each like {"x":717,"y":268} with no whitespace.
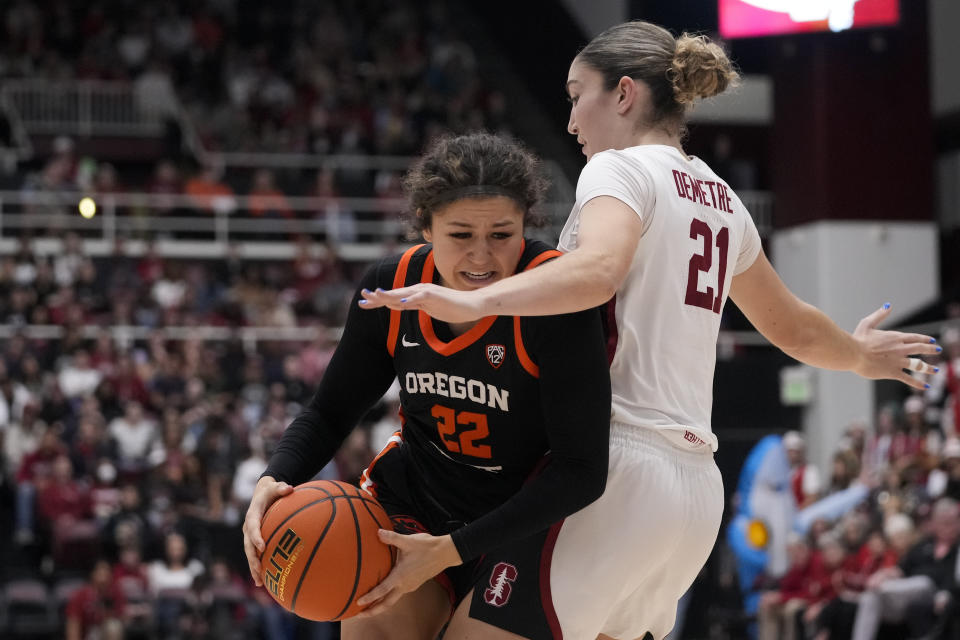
{"x":96,"y":609}
{"x":778,"y":609}
{"x":804,"y":477}
{"x":65,"y":509}
{"x":834,"y":619}
{"x":34,"y":474}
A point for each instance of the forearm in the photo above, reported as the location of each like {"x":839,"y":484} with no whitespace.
{"x":816,"y":340}
{"x":572,"y":282}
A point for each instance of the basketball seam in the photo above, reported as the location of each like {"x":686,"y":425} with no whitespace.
{"x":356,"y":576}
{"x":287,"y":519}
{"x":306,"y":567}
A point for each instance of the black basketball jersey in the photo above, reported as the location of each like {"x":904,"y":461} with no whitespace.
{"x":472,"y":409}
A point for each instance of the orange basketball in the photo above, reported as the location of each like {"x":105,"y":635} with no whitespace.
{"x":322,"y":551}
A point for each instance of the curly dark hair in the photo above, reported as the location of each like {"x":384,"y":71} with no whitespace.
{"x":477,"y":165}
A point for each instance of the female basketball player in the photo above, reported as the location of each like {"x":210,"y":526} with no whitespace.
{"x":482,"y":403}
{"x":657,"y":230}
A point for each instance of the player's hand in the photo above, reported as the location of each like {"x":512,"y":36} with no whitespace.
{"x":266,"y":492}
{"x":442,"y":303}
{"x":885,"y":354}
{"x":421,"y":556}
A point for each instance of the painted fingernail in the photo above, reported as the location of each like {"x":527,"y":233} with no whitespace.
{"x":886,"y":305}
{"x":939,"y":349}
{"x":379,"y":290}
{"x":362,"y":301}
{"x":936,"y":369}
{"x":403,"y":299}
{"x":933,"y":340}
{"x":926,"y":386}
{"x":364,"y":290}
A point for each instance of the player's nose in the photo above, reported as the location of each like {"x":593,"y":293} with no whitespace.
{"x":479,"y":250}
{"x":572,"y":128}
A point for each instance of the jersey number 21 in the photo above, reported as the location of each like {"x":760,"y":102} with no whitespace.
{"x":704,"y":262}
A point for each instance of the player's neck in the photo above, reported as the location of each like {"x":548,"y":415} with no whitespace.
{"x":657,"y":135}
{"x":460,"y":328}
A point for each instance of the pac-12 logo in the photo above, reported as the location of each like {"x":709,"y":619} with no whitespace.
{"x":501,"y":577}
{"x":495,"y":355}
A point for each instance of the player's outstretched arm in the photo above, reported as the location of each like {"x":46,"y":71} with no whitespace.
{"x":582,"y":279}
{"x":804,"y":332}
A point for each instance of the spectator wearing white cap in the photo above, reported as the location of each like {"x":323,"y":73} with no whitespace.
{"x":804,"y":477}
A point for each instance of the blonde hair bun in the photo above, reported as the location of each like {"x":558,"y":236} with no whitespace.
{"x":700,"y":69}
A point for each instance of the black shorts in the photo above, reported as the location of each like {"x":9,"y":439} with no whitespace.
{"x":511,"y":584}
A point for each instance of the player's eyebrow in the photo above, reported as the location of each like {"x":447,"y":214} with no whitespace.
{"x":459,"y":223}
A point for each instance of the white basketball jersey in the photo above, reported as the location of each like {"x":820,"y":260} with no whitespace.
{"x":696,"y":236}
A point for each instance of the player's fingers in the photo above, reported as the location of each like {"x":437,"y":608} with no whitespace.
{"x":875,"y":318}
{"x":919,"y":338}
{"x":915,"y":349}
{"x":377,"y":593}
{"x":909,"y":380}
{"x":919,"y":366}
{"x":253,"y":559}
{"x":391,"y":537}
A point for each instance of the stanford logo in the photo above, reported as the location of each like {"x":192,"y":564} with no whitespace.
{"x":495,"y":354}
{"x":501,"y":577}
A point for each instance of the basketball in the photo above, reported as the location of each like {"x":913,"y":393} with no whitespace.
{"x":321,"y":549}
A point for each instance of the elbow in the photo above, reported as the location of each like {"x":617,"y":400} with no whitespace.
{"x":608,"y":274}
{"x":594,"y":483}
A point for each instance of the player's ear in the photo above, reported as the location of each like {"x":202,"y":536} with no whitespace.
{"x":628,"y":91}
{"x":425,"y":232}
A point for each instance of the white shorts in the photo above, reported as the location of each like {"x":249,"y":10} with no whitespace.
{"x":621,"y":564}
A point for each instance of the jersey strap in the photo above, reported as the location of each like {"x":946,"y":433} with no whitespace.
{"x":399,"y":280}
{"x":528,"y":364}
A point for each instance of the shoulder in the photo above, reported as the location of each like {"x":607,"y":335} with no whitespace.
{"x":535,"y":253}
{"x":383,"y":272}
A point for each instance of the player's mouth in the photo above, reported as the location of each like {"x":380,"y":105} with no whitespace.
{"x":583,"y":144}
{"x":479,"y":278}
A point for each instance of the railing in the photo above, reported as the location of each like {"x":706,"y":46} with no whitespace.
{"x":83,"y":108}
{"x":124,"y":335}
{"x":357,"y":228}
{"x":360,"y":228}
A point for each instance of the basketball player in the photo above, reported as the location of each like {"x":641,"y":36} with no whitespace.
{"x":659,"y":232}
{"x":482,"y":403}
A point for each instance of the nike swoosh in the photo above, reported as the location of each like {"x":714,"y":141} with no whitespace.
{"x":404,"y":342}
{"x":492,"y":469}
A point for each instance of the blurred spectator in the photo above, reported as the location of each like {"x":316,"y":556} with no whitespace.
{"x":265,"y":200}
{"x":877,"y":454}
{"x":804,"y":477}
{"x":96,"y":610}
{"x":835,"y":618}
{"x":917,"y":590}
{"x":35,"y":473}
{"x":78,"y":378}
{"x":845,"y":471}
{"x":136,"y":436}
{"x":65,"y":511}
{"x":170,"y":580}
{"x":128,"y":527}
{"x":209,"y":192}
{"x":779,"y":608}
{"x":945,"y":479}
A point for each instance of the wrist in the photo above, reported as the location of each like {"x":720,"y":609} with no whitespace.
{"x":448,"y":552}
